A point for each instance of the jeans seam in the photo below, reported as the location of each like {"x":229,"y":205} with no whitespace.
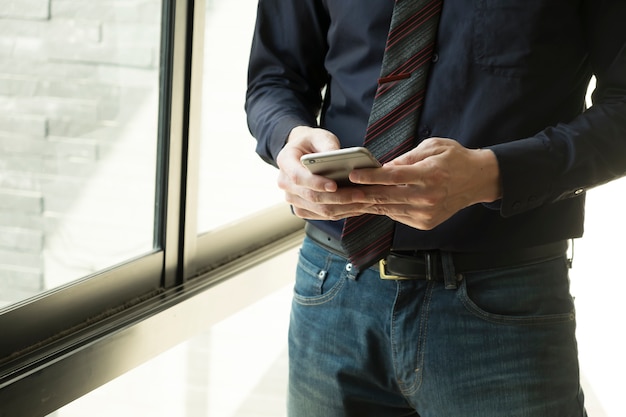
{"x":421,"y":349}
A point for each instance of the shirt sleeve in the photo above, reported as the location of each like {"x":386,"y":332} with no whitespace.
{"x":564,"y":160}
{"x":286,"y":71}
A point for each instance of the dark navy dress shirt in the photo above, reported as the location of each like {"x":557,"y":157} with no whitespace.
{"x":508,"y":75}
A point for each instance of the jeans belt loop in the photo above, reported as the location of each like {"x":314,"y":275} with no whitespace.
{"x":449,"y":272}
{"x":428,"y":260}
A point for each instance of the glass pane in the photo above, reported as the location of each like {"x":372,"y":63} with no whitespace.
{"x":79,"y":97}
{"x":234,"y":182}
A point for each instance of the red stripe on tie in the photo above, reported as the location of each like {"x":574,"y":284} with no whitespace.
{"x":418,"y":60}
{"x":417,"y":19}
{"x":373,"y":250}
{"x":398,"y":113}
{"x":374,"y":247}
{"x":391,"y":78}
{"x":404,"y":147}
{"x":356,"y":222}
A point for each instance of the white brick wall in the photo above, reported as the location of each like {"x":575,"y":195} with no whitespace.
{"x":23,"y":201}
{"x":64,"y":30}
{"x":23,"y":124}
{"x":25,"y":9}
{"x":22,"y":239}
{"x":72,"y":73}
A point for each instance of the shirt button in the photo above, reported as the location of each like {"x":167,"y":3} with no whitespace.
{"x":517,"y":205}
{"x":435,"y":57}
{"x":425,"y":132}
{"x":579,"y":191}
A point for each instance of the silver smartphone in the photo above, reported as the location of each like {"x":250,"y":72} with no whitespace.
{"x":337,"y":164}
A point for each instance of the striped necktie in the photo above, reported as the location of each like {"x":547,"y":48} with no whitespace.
{"x":394,"y":116}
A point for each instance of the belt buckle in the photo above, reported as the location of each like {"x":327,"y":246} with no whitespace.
{"x":428,"y":261}
{"x":382,"y":270}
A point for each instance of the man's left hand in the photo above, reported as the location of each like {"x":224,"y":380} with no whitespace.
{"x":429,"y":184}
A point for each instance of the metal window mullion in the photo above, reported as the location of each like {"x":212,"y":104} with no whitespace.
{"x":175,"y":166}
{"x":190,"y":230}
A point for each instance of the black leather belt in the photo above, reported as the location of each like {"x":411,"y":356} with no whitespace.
{"x":427,"y":265}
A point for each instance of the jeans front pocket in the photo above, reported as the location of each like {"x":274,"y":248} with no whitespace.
{"x":320,"y":275}
{"x":531,"y":294}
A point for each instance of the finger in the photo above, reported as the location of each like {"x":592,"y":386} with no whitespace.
{"x":329,"y":206}
{"x":328,"y":211}
{"x":303,"y":140}
{"x":347,"y":197}
{"x":372,"y":176}
{"x":426,"y":218}
{"x":389,"y":175}
{"x":293,"y":174}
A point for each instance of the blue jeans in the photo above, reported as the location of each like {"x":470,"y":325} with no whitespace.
{"x":500,"y":345}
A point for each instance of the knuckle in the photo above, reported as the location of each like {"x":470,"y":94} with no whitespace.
{"x":282,"y":183}
{"x":298,"y":212}
{"x":310,"y":195}
{"x":304,"y":213}
{"x":287,"y":179}
{"x":326,"y":213}
{"x":290,"y":198}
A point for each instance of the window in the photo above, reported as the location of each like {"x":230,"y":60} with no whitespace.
{"x":234,"y":182}
{"x":101,"y":239}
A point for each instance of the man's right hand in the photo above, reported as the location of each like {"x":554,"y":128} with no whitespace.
{"x":304,"y":140}
{"x":312,"y":196}
{"x":299,"y":185}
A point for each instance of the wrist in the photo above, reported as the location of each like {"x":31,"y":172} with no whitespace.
{"x":298,"y":133}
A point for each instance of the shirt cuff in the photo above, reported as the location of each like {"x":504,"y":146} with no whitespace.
{"x":526,"y":170}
